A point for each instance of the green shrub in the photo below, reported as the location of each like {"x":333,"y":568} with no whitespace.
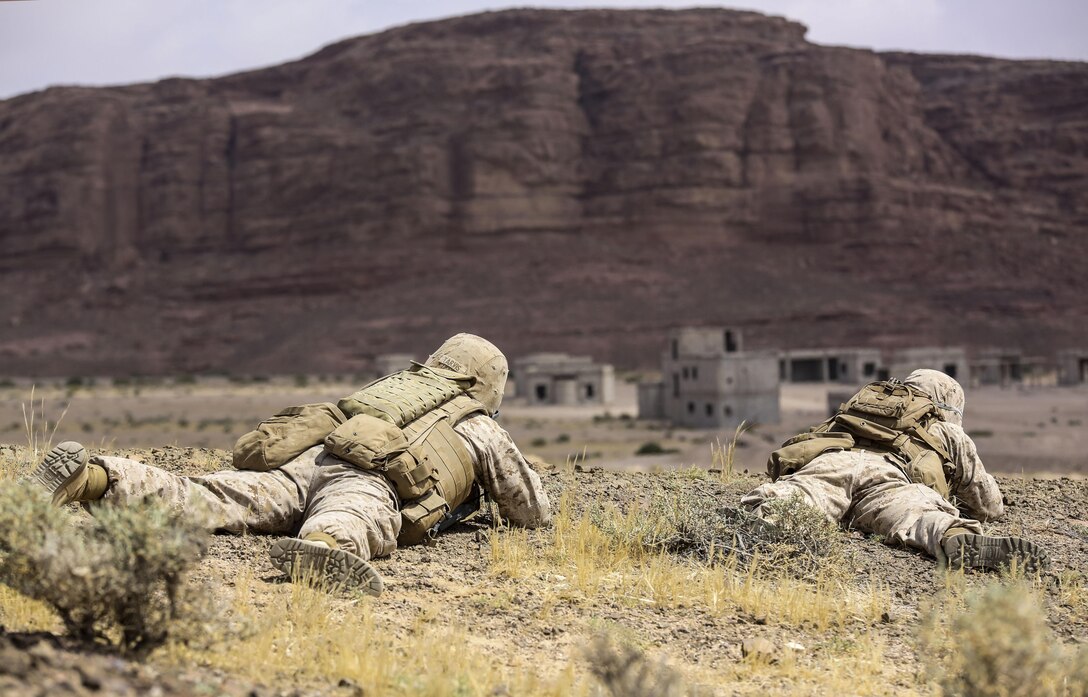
{"x":654,"y":448}
{"x":801,"y":542}
{"x":118,"y":577}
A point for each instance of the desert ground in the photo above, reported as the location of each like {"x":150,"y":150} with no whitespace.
{"x":591,"y":605}
{"x":1018,"y":429}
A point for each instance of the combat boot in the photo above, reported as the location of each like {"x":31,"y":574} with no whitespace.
{"x":984,"y":552}
{"x":325,"y":565}
{"x":65,"y":474}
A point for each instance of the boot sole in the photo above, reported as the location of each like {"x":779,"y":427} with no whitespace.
{"x":60,"y":470}
{"x":329,"y":568}
{"x":994,"y":553}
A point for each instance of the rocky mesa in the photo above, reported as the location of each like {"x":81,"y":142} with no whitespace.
{"x":574,"y":180}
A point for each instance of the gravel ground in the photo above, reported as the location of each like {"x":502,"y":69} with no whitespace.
{"x":533,"y":628}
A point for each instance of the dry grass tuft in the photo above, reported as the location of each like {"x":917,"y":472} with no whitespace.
{"x":39,"y":432}
{"x":723,"y":458}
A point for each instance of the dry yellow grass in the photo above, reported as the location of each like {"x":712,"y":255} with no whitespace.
{"x":586,"y":563}
{"x":20,"y":613}
{"x":723,"y":457}
{"x":304,"y":634}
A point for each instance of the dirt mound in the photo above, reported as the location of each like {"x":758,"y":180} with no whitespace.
{"x":490,"y":590}
{"x":638,"y":169}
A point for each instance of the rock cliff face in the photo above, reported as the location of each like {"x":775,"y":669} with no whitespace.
{"x":556,"y":180}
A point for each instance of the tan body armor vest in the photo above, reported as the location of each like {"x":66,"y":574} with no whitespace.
{"x":886,"y":417}
{"x":419,"y":452}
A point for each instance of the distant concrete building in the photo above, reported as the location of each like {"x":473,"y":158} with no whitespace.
{"x":710,"y":382}
{"x":853,"y":366}
{"x":559,"y":378}
{"x":1038,"y":371}
{"x":392,"y":362}
{"x":1073,"y":367}
{"x":951,"y":361}
{"x":996,"y":366}
{"x":651,"y":400}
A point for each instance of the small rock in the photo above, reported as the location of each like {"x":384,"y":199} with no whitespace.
{"x":14,"y":662}
{"x":44,"y":652}
{"x":90,"y":676}
{"x":795,"y":647}
{"x":759,"y":648}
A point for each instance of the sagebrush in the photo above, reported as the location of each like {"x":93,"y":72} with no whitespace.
{"x":801,"y":541}
{"x":996,"y":642}
{"x":117,"y":577}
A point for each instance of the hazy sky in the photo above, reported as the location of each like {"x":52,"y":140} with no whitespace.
{"x":46,"y":42}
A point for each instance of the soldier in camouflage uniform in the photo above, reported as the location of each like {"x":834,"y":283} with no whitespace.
{"x":874,"y":490}
{"x":343,"y":515}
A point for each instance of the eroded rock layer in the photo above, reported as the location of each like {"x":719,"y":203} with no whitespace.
{"x":556,"y":180}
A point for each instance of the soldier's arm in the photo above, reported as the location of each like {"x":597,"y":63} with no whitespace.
{"x":972,"y":485}
{"x":505,"y":474}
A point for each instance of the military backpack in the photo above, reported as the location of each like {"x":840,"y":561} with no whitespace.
{"x":887,"y":417}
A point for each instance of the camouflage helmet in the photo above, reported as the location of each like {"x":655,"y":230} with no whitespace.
{"x":943,"y":389}
{"x":476,"y":358}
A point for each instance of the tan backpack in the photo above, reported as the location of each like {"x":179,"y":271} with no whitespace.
{"x":887,"y":416}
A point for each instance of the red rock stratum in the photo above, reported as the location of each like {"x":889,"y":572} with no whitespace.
{"x":555,"y":180}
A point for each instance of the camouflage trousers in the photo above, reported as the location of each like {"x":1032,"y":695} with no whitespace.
{"x":315,"y":492}
{"x":869,"y":493}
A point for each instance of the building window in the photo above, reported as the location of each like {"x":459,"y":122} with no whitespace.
{"x":870,"y":369}
{"x":783,"y":375}
{"x":685,"y":371}
{"x":675,"y":349}
{"x":727,"y":410}
{"x":950,"y":370}
{"x":691,"y":407}
{"x":590,"y":392}
{"x":729,"y":380}
{"x":729,"y":342}
{"x":541,"y":393}
{"x":676,"y":384}
{"x":710,"y":410}
{"x":694,"y":372}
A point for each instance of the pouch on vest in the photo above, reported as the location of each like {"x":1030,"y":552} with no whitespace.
{"x":283,"y":437}
{"x":366,"y":441}
{"x":371,"y":443}
{"x":419,"y":516}
{"x":890,"y":403}
{"x":410,"y":473}
{"x":803,"y":449}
